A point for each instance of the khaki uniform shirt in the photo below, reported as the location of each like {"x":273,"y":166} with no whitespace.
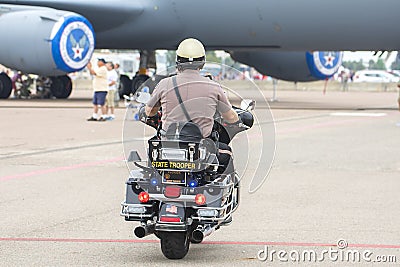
{"x":100,"y":83}
{"x":201,"y":97}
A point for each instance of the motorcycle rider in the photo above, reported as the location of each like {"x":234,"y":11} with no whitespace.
{"x":201,"y":97}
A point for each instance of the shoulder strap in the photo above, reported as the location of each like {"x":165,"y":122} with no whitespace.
{"x":178,"y":95}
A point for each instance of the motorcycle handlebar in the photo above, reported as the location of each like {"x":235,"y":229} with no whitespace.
{"x":246,"y":120}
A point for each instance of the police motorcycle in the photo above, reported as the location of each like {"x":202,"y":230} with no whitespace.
{"x":180,"y":194}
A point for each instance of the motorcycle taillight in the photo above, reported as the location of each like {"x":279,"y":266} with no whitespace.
{"x":172,"y":191}
{"x":170,"y":219}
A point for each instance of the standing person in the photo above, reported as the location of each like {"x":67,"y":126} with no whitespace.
{"x":345,"y":80}
{"x":112,"y":78}
{"x":117,"y":98}
{"x":100,"y":88}
{"x":352,"y":72}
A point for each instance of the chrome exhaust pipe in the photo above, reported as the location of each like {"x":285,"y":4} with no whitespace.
{"x":144,"y":230}
{"x":199,"y":234}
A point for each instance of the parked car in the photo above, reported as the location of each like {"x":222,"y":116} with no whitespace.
{"x":395,"y":73}
{"x":375,"y":76}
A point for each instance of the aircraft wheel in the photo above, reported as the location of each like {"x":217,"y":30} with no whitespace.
{"x":61,"y":86}
{"x":124,"y":86}
{"x":138,"y":81}
{"x":5,"y":86}
{"x":67,"y":84}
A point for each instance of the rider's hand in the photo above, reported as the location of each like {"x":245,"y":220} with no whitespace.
{"x":236,"y":123}
{"x":142,"y":114}
{"x":153,"y":121}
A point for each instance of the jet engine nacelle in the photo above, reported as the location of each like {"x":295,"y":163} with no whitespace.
{"x":292,"y":66}
{"x":44,"y":41}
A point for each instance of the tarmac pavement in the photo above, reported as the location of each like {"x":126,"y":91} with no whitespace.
{"x":335,"y":177}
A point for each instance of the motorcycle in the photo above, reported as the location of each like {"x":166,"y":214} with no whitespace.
{"x":179,"y":194}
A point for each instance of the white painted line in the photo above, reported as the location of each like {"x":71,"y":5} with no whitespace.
{"x":357,"y":114}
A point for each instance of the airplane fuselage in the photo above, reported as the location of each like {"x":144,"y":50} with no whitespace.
{"x":291,"y":25}
{"x":299,"y":25}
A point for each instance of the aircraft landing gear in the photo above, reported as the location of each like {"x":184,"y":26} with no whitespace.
{"x":124,"y":85}
{"x":61,"y":86}
{"x":138,"y":80}
{"x":5,"y":86}
{"x":147,"y":60}
{"x":128,"y":86}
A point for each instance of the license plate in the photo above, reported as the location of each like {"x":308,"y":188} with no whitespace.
{"x":174,"y":177}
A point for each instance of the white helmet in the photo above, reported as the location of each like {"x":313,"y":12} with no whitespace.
{"x":190,"y":54}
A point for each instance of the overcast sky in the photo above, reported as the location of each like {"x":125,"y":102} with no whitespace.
{"x":367,"y":55}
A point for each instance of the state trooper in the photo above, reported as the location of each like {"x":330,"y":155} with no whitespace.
{"x":189,"y":96}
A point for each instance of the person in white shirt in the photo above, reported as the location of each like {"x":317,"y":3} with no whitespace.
{"x":112,"y":79}
{"x":100,"y":89}
{"x":117,"y":98}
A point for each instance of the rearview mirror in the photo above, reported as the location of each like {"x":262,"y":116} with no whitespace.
{"x":247,"y":104}
{"x":142,"y":97}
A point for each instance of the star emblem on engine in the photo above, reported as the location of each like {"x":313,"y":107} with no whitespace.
{"x":73,"y":43}
{"x":78,"y":47}
{"x":78,"y":51}
{"x":329,"y":58}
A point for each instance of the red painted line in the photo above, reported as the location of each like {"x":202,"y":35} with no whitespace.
{"x":58,"y":169}
{"x":244,"y":243}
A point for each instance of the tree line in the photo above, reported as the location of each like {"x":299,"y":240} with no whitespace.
{"x":372,"y":65}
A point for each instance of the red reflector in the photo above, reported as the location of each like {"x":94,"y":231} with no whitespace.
{"x":170,"y":219}
{"x":172,"y":191}
{"x":144,"y":197}
{"x":200,"y":199}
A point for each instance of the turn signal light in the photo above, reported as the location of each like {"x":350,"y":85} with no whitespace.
{"x":200,"y":199}
{"x":144,"y":197}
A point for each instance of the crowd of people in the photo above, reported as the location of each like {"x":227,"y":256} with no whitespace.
{"x":105,"y":84}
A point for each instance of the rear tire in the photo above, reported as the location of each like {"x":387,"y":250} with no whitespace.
{"x":175,"y":245}
{"x":5,"y":86}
